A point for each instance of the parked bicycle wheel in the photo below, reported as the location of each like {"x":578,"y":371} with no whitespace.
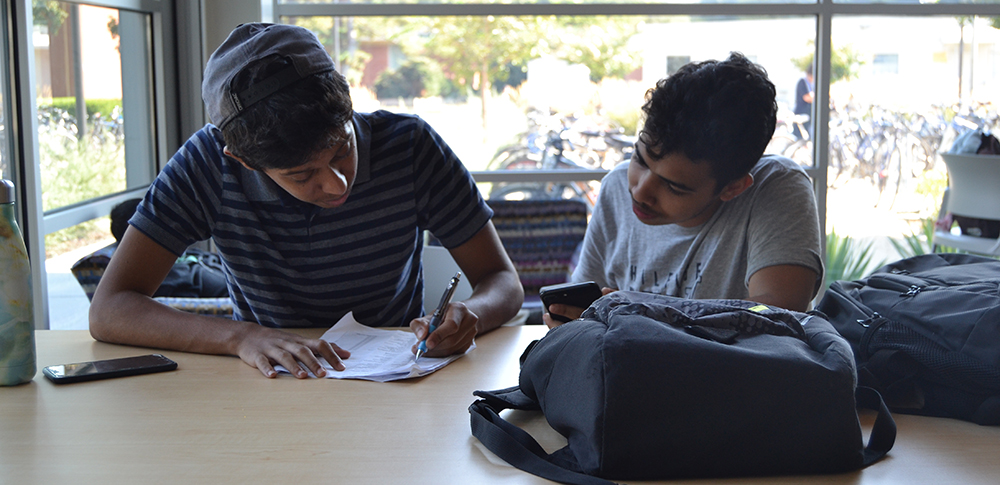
{"x":543,"y":190}
{"x":518,"y":158}
{"x":801,"y":153}
{"x":519,"y":191}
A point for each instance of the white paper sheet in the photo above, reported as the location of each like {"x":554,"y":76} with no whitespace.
{"x":377,"y":354}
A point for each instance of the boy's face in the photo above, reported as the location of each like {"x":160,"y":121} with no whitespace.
{"x":327,"y":177}
{"x":674,"y":190}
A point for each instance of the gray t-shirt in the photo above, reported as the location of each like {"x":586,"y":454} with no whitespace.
{"x":774,"y":222}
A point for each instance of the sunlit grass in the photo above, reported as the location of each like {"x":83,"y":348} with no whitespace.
{"x":76,"y":169}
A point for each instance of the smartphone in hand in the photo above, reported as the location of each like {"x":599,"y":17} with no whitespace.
{"x":573,"y":294}
{"x":104,"y":369}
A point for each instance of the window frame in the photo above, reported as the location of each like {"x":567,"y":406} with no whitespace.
{"x":161,"y":114}
{"x":823,"y":11}
{"x":182,"y":32}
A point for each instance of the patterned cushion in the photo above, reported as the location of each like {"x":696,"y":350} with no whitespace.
{"x":541,"y":237}
{"x":203,"y":306}
{"x":89,"y":270}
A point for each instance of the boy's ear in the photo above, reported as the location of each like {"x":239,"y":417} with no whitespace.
{"x":238,"y":159}
{"x":736,"y":187}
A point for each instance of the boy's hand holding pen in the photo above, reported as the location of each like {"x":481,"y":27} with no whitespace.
{"x":439,"y":314}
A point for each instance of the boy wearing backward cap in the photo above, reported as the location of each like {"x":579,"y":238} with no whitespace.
{"x":316,"y":211}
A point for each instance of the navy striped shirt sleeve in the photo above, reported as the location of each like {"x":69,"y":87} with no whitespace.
{"x":448,"y":202}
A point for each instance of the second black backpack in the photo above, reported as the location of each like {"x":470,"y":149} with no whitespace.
{"x":926,"y":334}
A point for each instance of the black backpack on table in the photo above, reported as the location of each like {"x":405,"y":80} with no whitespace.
{"x":926,"y":334}
{"x":650,"y":387}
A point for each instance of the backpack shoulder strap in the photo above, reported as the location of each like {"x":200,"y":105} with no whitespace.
{"x":509,"y":398}
{"x":517,"y":447}
{"x":883,"y":434}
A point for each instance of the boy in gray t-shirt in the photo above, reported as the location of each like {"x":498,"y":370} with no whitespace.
{"x":698,"y":212}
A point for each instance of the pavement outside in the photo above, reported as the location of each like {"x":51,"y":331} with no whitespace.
{"x":68,"y":304}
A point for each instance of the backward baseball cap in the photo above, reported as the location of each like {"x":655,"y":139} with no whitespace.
{"x":251,"y":42}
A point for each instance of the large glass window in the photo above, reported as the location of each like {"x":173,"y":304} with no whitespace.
{"x":899,"y":84}
{"x":547,"y":93}
{"x":911,"y":87}
{"x":83,"y":101}
{"x":459,"y":2}
{"x":103,"y":105}
{"x":518,"y":88}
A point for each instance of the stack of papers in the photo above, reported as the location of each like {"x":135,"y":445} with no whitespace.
{"x":377,"y":354}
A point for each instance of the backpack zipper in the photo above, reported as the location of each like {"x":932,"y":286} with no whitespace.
{"x":885,"y":282}
{"x":871,"y":326}
{"x":871,"y":323}
{"x":867,"y":322}
{"x":863,"y":310}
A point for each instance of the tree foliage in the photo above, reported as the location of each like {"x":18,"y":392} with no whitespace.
{"x":845,"y":63}
{"x":484,"y":50}
{"x":49,"y":13}
{"x":415,"y":78}
{"x":330,"y":33}
{"x":600,"y":43}
{"x":477,"y":50}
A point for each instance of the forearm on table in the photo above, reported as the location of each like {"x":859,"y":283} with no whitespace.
{"x":132,"y":318}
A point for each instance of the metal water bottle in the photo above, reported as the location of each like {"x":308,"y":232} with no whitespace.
{"x":17,"y":326}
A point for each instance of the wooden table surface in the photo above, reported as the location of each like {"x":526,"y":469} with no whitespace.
{"x":217,"y":420}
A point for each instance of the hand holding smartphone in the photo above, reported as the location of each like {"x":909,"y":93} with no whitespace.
{"x":573,"y":294}
{"x":104,"y":369}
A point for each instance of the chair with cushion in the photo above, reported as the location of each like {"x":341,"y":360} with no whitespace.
{"x":541,"y":237}
{"x":973,"y":192}
{"x":89,"y":269}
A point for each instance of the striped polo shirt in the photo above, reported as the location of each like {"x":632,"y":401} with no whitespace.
{"x":293,"y":264}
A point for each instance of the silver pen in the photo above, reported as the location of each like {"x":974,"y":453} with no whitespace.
{"x":439,"y":313}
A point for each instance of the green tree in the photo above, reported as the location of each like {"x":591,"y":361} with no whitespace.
{"x":113,"y":28}
{"x":598,"y":43}
{"x":49,"y":13}
{"x":351,"y":60}
{"x":844,"y":63}
{"x":415,"y":78}
{"x":478,"y":50}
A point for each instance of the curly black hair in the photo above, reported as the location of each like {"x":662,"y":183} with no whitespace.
{"x":719,"y":112}
{"x":284,"y":129}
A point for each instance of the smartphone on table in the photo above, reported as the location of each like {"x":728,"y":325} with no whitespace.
{"x":573,"y":294}
{"x":105,"y":369}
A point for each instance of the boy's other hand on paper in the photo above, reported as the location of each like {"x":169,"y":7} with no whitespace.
{"x":264,"y":347}
{"x":454,"y":335}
